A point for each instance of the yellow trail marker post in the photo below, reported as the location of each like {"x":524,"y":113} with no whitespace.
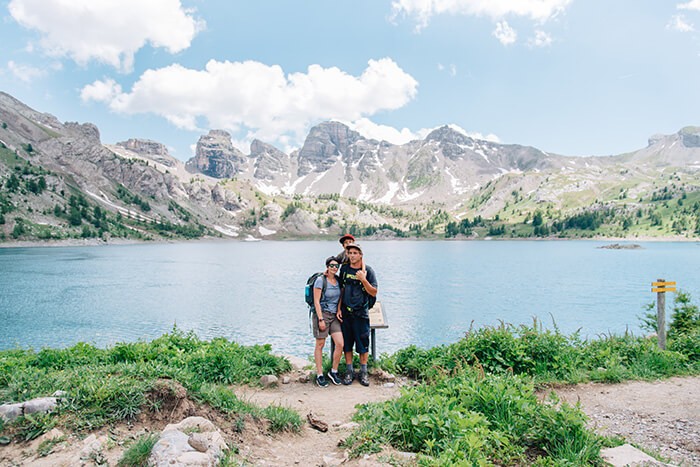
{"x":660,"y":287}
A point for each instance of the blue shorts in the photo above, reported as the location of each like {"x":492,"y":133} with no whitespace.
{"x":355,"y":331}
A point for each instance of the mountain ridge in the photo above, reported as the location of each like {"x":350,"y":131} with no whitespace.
{"x":337,"y":181}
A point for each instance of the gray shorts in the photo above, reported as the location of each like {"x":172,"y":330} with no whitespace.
{"x":332,"y":325}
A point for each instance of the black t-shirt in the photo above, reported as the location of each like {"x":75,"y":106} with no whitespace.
{"x":354,"y":294}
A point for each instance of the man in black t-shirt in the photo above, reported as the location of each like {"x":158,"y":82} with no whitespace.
{"x":358,"y":283}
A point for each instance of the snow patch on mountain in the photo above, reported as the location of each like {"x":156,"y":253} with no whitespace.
{"x":457,"y":186}
{"x":391,"y":192}
{"x":228,"y":230}
{"x":406,"y":196}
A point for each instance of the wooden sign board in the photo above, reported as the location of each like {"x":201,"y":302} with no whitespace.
{"x":663,"y":284}
{"x":377,"y":317}
{"x":663,"y":289}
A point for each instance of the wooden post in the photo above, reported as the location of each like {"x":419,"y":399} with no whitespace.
{"x":661,"y":318}
{"x":660,"y":287}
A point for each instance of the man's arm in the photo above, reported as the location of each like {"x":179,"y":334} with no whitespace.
{"x":363,"y":277}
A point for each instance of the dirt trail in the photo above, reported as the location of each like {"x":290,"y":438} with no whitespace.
{"x":662,"y":416}
{"x":334,"y":405}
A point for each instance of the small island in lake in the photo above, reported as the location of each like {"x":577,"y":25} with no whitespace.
{"x":622,"y":246}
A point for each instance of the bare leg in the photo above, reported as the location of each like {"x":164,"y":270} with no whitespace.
{"x":338,"y":351}
{"x":318,"y":355}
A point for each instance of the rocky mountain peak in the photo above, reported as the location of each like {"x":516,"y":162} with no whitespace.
{"x":324,"y":144}
{"x":269,"y":161}
{"x":446,"y":134}
{"x":216,"y":156}
{"x":149,"y":149}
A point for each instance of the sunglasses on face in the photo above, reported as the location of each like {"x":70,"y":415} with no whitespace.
{"x":334,"y":266}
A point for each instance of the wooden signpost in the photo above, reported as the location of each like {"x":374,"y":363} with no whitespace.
{"x":660,"y":287}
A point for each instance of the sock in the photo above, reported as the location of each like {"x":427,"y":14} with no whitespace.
{"x":363,"y":368}
{"x":349,"y":367}
{"x":334,"y":371}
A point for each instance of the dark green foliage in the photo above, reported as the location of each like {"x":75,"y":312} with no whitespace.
{"x":685,"y":317}
{"x":222,"y":361}
{"x":475,"y":419}
{"x":12,"y":183}
{"x":128,"y":197}
{"x":504,"y":349}
{"x":291,"y":209}
{"x":75,"y":217}
{"x":179,"y":211}
{"x":547,"y":356}
{"x":19,"y":229}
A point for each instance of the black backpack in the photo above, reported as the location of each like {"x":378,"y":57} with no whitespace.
{"x":309,"y":290}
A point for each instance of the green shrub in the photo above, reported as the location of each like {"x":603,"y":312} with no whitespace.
{"x":688,"y":344}
{"x":476,"y":420}
{"x":685,"y":317}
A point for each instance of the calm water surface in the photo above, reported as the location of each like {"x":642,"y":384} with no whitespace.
{"x":252,"y":292}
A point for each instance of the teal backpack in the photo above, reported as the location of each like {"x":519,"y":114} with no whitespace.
{"x":309,"y":290}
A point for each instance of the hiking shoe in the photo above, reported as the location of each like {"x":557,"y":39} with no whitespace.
{"x":347,"y":379}
{"x":335,"y":378}
{"x":364,"y":378}
{"x":321,"y":381}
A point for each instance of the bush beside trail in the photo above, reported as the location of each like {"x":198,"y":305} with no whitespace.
{"x":107,"y":386}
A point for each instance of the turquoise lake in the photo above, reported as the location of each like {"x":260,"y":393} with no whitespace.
{"x":252,"y":292}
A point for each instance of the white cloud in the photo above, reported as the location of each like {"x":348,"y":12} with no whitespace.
{"x":26,"y":73}
{"x":691,"y":5}
{"x":101,"y":91}
{"x":504,"y":33}
{"x":369,"y":129}
{"x":541,"y":39}
{"x":108,"y":31}
{"x":423,"y":10}
{"x":680,"y":23}
{"x":259,"y":100}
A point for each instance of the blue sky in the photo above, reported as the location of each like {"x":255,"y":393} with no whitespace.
{"x":573,"y":77}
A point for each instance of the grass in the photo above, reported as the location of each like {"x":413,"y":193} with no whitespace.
{"x":138,"y":453}
{"x":116,"y":384}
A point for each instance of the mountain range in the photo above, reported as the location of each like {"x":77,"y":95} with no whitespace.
{"x":338,"y":180}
